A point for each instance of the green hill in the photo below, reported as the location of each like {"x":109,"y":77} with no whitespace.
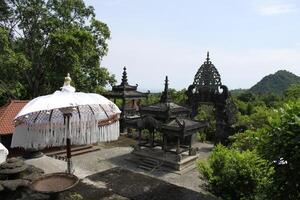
{"x":275,"y":83}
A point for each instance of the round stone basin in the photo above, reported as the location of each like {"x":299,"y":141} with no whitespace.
{"x":54,"y":183}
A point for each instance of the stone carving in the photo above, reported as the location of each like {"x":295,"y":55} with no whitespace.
{"x":207,"y":88}
{"x":207,"y":76}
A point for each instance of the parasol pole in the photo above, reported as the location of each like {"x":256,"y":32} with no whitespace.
{"x":67,"y":113}
{"x":68,"y":147}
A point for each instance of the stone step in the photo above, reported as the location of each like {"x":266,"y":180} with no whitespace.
{"x":73,"y":149}
{"x":152,"y":159}
{"x":148,"y":165}
{"x":76,"y":153}
{"x":151,"y":162}
{"x":145,"y":168}
{"x":187,"y":168}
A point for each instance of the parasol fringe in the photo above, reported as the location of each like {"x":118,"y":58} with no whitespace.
{"x":83,"y":130}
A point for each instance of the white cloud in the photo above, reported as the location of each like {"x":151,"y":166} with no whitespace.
{"x":276,"y":8}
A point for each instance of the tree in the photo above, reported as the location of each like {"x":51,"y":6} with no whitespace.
{"x":278,"y":142}
{"x":178,"y":97}
{"x":258,"y":119}
{"x":11,"y":65}
{"x":247,"y":140}
{"x":207,"y":113}
{"x":232,"y":174}
{"x":293,"y":92}
{"x":281,"y":146}
{"x":270,"y":99}
{"x":47,"y":39}
{"x":246,"y":97}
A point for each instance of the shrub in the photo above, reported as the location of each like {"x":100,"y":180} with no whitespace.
{"x":281,"y":146}
{"x":232,"y":174}
{"x":247,"y":140}
{"x":277,"y":142}
{"x":201,"y":137}
{"x":258,"y":119}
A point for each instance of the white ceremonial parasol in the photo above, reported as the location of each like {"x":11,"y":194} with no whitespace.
{"x":66,"y":117}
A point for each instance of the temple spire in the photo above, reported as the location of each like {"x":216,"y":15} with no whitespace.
{"x":165,"y":97}
{"x":166,"y":85}
{"x":124,"y":77}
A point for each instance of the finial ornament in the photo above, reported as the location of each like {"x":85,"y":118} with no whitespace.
{"x":124,"y":77}
{"x":67,"y":85}
{"x":67,"y":80}
{"x":207,"y":58}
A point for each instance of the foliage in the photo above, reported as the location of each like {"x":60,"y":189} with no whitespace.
{"x":256,"y":120}
{"x":206,"y":112}
{"x":178,"y":97}
{"x":271,"y":100}
{"x":247,"y":140}
{"x":266,"y":142}
{"x":201,"y":137}
{"x":293,"y":92}
{"x":247,"y":107}
{"x":74,"y":196}
{"x":280,"y":145}
{"x":236,"y":92}
{"x":146,"y":135}
{"x":41,"y":41}
{"x":275,"y":83}
{"x":11,"y":63}
{"x":246,"y":97}
{"x":277,"y":141}
{"x":232,"y":174}
{"x":152,"y":99}
{"x":271,"y":136}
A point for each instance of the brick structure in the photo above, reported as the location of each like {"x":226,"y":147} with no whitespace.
{"x":7,"y":114}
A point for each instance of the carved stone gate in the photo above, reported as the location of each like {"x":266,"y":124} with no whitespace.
{"x":208,"y":89}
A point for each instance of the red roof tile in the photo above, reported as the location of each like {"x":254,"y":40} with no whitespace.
{"x":7,"y":114}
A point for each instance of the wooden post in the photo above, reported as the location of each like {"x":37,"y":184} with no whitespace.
{"x":178,"y":146}
{"x":140,"y":137}
{"x":152,"y":139}
{"x":122,"y":126}
{"x":190,"y":145}
{"x":69,"y":170}
{"x":69,"y":161}
{"x":165,"y":143}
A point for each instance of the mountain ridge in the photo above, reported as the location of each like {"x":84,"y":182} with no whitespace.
{"x":275,"y":83}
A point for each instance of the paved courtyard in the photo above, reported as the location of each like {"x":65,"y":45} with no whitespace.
{"x":116,"y":155}
{"x":111,"y":157}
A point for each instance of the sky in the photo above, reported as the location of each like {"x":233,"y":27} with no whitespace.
{"x":247,"y":39}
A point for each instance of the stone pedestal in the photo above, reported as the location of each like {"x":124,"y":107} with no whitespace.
{"x":169,"y":160}
{"x":32,"y":153}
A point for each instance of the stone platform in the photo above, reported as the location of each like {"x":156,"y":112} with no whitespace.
{"x":168,"y":159}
